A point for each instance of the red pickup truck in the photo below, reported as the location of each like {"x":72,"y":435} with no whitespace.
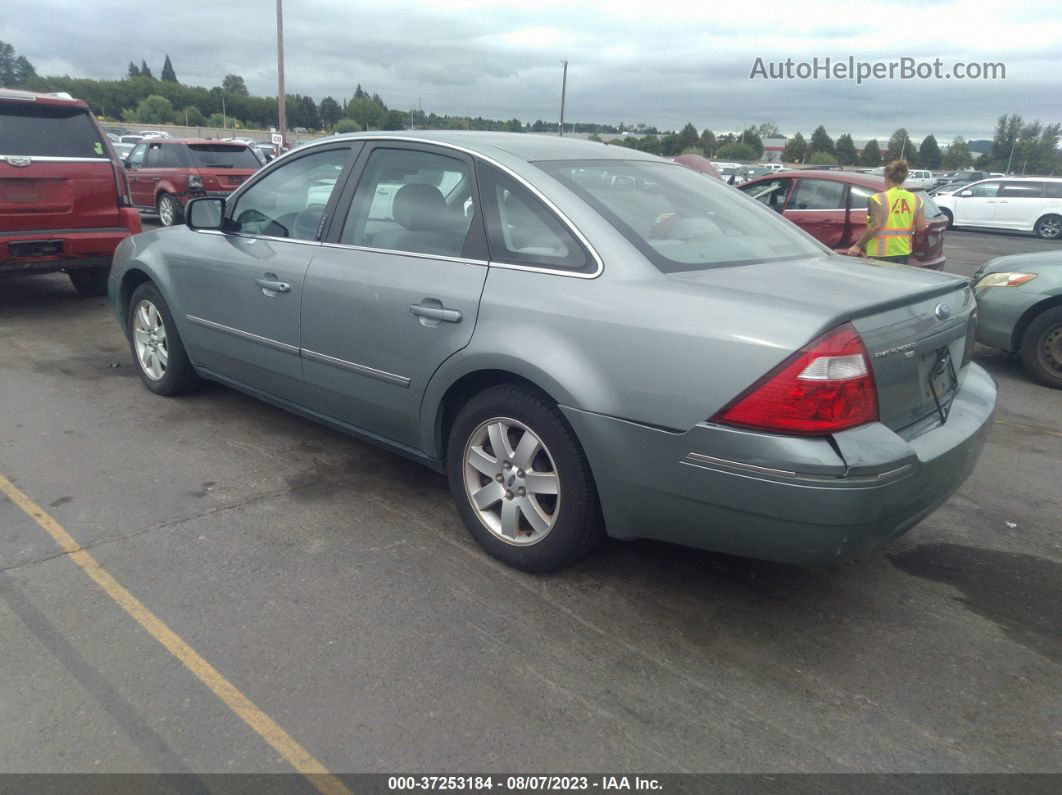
{"x":64,"y":200}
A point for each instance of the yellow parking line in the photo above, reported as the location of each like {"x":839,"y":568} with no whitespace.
{"x":297,"y":756}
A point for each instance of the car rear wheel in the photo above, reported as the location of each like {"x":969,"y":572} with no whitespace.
{"x":157,"y":349}
{"x":169,"y":209}
{"x":521,"y":481}
{"x":90,"y":281}
{"x":1049,"y":227}
{"x":1041,"y":348}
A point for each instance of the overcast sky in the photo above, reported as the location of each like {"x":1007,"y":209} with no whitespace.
{"x":662,"y":62}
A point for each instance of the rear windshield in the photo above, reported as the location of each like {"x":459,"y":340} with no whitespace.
{"x":678,"y":219}
{"x":221,"y":156}
{"x":28,"y":128}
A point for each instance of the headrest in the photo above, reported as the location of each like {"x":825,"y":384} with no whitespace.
{"x":418,"y":206}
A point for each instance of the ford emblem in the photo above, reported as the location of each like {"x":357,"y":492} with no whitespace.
{"x":18,"y":162}
{"x":943,"y":311}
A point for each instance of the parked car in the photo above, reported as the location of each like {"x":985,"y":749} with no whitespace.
{"x":919,"y":179}
{"x":958,"y":179}
{"x":1019,"y":300}
{"x":164,"y":173}
{"x":641,"y":353}
{"x":155,"y":134}
{"x":64,"y":203}
{"x":751,"y":172}
{"x":266,"y":153}
{"x":701,"y":165}
{"x":731,"y":175}
{"x":831,"y":206}
{"x":719,"y":165}
{"x":1025,"y":204}
{"x":773,"y":166}
{"x":123,"y":150}
{"x":130,"y":139}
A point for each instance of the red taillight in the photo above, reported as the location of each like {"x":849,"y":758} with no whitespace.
{"x":825,"y":387}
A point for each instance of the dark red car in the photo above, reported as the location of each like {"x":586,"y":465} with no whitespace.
{"x":64,"y":202}
{"x":164,"y":173}
{"x":831,"y":206}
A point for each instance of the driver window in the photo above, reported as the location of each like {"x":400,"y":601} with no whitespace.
{"x":290,"y":201}
{"x":771,"y":194}
{"x":136,"y":157}
{"x":985,"y":189}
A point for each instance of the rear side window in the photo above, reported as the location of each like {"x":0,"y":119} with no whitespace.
{"x":219,"y":156}
{"x":818,"y":194}
{"x":1022,"y":190}
{"x":170,"y":156}
{"x":29,"y":128}
{"x":521,"y":230}
{"x":1054,"y":190}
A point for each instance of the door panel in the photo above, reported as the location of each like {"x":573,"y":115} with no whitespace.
{"x":1019,"y":204}
{"x":818,"y":207}
{"x":980,"y":208}
{"x":395,"y":294}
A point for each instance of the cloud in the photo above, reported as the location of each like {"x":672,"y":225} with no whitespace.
{"x":663,"y":63}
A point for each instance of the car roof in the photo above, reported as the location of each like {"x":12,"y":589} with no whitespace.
{"x":531,"y":147}
{"x":43,"y":99}
{"x":195,"y":141}
{"x":852,"y":178}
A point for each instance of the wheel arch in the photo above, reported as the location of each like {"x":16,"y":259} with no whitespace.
{"x":134,"y":276}
{"x":1028,"y":316}
{"x":1050,"y":214}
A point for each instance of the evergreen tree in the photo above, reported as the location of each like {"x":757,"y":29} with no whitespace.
{"x":707,"y":142}
{"x":929,"y":153}
{"x":168,"y":75}
{"x":145,"y":71}
{"x":796,"y":149}
{"x":330,"y":111}
{"x":845,"y":151}
{"x":957,"y":155}
{"x":820,"y":141}
{"x":871,"y":153}
{"x":900,"y":145}
{"x":134,"y":70}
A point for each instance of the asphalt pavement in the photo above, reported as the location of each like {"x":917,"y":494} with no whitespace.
{"x":333,"y":585}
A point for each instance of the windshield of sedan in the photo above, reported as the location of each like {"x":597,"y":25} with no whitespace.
{"x":222,"y":156}
{"x":678,"y":219}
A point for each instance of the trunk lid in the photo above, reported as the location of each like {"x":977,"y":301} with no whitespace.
{"x":894,"y":308}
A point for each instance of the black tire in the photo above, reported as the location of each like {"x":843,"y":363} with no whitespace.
{"x":1041,"y":348}
{"x":175,"y":214}
{"x":949,"y":217}
{"x":1049,"y":227}
{"x":578,"y":525}
{"x":90,"y":281}
{"x":179,"y":377}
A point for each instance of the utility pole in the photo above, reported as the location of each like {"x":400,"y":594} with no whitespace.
{"x":411,"y":118}
{"x":1013,"y":144}
{"x":564,"y":88}
{"x":224,"y":120}
{"x":281,"y":96}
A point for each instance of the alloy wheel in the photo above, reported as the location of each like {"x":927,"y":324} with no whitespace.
{"x":149,"y":338}
{"x":1049,"y":228}
{"x":167,"y":212}
{"x":511,"y":481}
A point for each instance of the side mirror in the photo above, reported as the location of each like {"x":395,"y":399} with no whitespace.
{"x":966,"y":193}
{"x":125,"y":162}
{"x":206,"y":212}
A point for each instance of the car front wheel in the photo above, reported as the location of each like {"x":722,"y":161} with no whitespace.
{"x":157,"y":349}
{"x":950,"y":219}
{"x":522,"y":483}
{"x":169,"y":209}
{"x":1041,"y":348}
{"x":1049,"y":227}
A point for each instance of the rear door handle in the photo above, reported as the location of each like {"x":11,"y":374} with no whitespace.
{"x":272,"y":285}
{"x":436,"y":313}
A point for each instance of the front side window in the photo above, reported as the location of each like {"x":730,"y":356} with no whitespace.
{"x":984,"y":189}
{"x":1022,"y":190}
{"x":818,"y":194}
{"x":522,"y":231}
{"x":290,"y":201}
{"x":681,"y":221}
{"x":136,"y":157}
{"x":770,"y":194}
{"x":411,"y":200}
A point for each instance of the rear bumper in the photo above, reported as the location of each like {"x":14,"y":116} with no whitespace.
{"x":69,"y":249}
{"x":788,"y":499}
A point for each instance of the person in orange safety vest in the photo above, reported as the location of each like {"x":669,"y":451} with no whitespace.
{"x":895,"y":215}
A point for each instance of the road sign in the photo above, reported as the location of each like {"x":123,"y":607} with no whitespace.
{"x":277,"y":139}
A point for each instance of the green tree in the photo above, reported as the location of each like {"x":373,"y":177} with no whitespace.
{"x":367,"y":112}
{"x":688,"y":137}
{"x":168,"y":75}
{"x":233,"y":84}
{"x":154,"y":110}
{"x":217,"y":120}
{"x":346,"y":126}
{"x":1005,"y":140}
{"x":900,"y":145}
{"x":14,"y":69}
{"x":192,"y":116}
{"x":822,"y":159}
{"x":929,"y":153}
{"x":707,"y":142}
{"x":820,"y":141}
{"x":871,"y":153}
{"x":134,"y":70}
{"x":737,"y":151}
{"x":768,"y":130}
{"x":751,"y":138}
{"x":330,"y":111}
{"x":796,"y":149}
{"x":595,"y":138}
{"x":145,"y":71}
{"x":649,"y":143}
{"x":845,"y":151}
{"x":957,"y":155}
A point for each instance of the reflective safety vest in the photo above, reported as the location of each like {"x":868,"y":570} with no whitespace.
{"x":894,"y":238}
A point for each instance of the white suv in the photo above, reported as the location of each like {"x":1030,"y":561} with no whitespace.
{"x":1027,"y":204}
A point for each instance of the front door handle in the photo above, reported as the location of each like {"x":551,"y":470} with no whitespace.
{"x":436,"y":313}
{"x":271,"y":285}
